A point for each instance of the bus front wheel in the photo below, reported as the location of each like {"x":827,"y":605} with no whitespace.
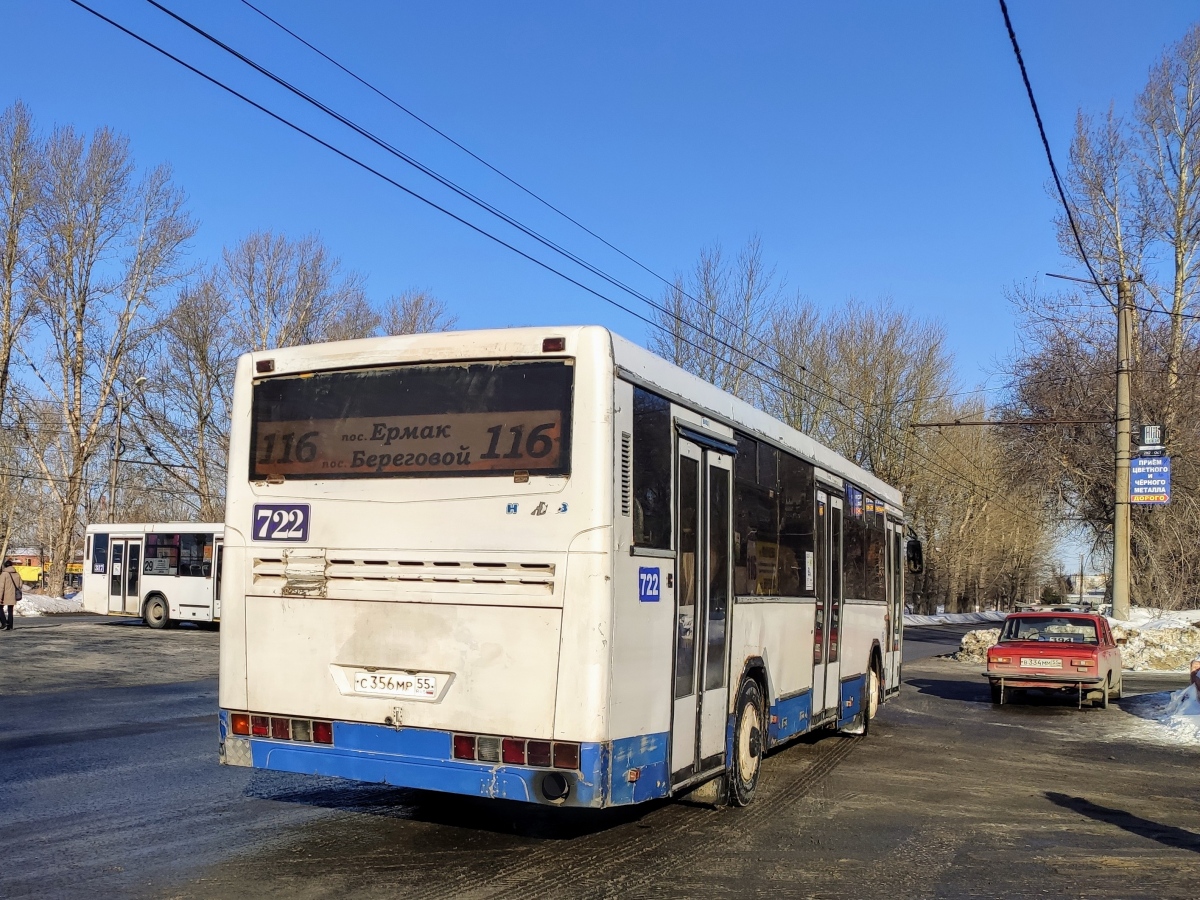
{"x":158,"y":613}
{"x":748,"y":744}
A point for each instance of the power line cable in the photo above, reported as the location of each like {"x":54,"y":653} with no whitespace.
{"x":1062,"y":194}
{"x":478,"y":229}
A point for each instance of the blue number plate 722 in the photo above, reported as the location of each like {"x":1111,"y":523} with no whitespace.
{"x":281,"y":522}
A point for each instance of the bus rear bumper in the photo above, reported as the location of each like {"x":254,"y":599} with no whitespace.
{"x":421,"y":759}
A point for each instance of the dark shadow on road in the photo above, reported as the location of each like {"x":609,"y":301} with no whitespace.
{"x":511,"y":817}
{"x":1168,"y":835}
{"x":968,"y":691}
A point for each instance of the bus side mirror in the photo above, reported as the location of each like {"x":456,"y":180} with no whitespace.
{"x":916,"y":556}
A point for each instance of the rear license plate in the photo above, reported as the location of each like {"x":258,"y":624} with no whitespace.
{"x":1027,"y":663}
{"x":391,"y":684}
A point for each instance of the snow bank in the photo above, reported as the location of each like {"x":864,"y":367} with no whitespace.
{"x":974,"y":645}
{"x":38,"y":605}
{"x":1154,"y":641}
{"x":1182,"y":715}
{"x":955,"y":618}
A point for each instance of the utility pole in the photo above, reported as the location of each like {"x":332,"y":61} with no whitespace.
{"x":1120,"y":569}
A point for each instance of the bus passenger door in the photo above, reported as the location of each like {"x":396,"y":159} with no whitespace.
{"x":702,"y":593}
{"x":833,"y":622}
{"x":895,"y":576}
{"x":124,"y":577}
{"x":821,"y":614}
{"x":218,"y":559}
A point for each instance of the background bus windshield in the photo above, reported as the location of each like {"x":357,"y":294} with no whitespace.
{"x":479,"y":418}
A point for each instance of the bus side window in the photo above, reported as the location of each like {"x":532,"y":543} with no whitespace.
{"x":100,"y":555}
{"x":653,"y":459}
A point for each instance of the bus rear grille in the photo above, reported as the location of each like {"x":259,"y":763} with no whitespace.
{"x":270,"y":570}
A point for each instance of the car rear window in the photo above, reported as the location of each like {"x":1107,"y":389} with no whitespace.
{"x":1054,"y":629}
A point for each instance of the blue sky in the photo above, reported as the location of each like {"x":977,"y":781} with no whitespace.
{"x":877,"y":149}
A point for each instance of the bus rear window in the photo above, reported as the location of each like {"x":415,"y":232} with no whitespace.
{"x":451,"y":419}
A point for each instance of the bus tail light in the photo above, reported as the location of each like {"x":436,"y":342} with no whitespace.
{"x":260,"y":726}
{"x":239,"y":723}
{"x":554,"y":345}
{"x":281,"y":729}
{"x":566,"y":756}
{"x":322,"y":732}
{"x":539,"y":753}
{"x":514,"y":751}
{"x":302,"y":730}
{"x":464,"y":746}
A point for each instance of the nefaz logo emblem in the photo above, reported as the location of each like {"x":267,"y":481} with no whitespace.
{"x":648,"y":585}
{"x":281,"y":522}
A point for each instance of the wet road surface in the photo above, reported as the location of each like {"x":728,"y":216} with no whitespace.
{"x":110,"y":787}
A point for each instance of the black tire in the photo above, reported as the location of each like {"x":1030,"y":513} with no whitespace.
{"x":157,"y":613}
{"x":748,"y":744}
{"x":997,"y":694}
{"x":1104,"y":692}
{"x":1119,"y":691}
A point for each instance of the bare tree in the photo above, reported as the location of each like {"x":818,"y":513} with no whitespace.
{"x":416,"y":312}
{"x":183,"y":415}
{"x":287,"y":293}
{"x":1168,"y":117}
{"x":20,"y":164}
{"x":107,"y":246}
{"x":715,"y":319}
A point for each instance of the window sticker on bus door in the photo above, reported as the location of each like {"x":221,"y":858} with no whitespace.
{"x":648,"y":585}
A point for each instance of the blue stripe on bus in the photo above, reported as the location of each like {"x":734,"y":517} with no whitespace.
{"x":421,"y":758}
{"x":854,"y":689}
{"x":789,"y":717}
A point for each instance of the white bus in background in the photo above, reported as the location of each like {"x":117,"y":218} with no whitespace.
{"x":541,"y":564}
{"x":165,"y":573}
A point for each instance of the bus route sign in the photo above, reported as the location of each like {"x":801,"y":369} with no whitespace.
{"x":1150,"y":479}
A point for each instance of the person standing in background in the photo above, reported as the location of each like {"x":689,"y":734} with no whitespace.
{"x":10,"y":593}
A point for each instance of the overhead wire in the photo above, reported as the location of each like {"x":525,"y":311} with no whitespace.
{"x":936,"y":465}
{"x":1062,"y":194}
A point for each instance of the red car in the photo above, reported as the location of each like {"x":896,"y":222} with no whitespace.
{"x":1063,"y":651}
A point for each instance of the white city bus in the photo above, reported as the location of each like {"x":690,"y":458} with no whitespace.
{"x":540,"y":564}
{"x":166,"y":572}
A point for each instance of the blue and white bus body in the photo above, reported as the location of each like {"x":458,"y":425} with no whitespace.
{"x":521,"y":634}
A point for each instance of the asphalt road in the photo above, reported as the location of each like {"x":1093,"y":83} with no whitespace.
{"x":109,"y":786}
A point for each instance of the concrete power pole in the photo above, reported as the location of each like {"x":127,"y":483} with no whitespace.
{"x":1120,"y":570}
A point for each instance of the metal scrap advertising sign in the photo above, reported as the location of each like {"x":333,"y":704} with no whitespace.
{"x":1150,"y":479}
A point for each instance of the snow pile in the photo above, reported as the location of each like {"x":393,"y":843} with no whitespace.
{"x":1181,"y":717}
{"x":1160,"y":647}
{"x":975,"y":644}
{"x":955,"y":618}
{"x":38,"y":605}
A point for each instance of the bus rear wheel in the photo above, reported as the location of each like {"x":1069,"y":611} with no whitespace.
{"x":748,"y":744}
{"x":157,"y":613}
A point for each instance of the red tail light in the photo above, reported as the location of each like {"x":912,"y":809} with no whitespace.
{"x":322,"y":732}
{"x":464,"y":746}
{"x":566,"y":756}
{"x":240,"y":723}
{"x":514,"y":751}
{"x":260,"y":726}
{"x":539,"y":753}
{"x":281,"y":729}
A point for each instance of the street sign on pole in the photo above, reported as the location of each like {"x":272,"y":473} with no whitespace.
{"x":1150,"y":479}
